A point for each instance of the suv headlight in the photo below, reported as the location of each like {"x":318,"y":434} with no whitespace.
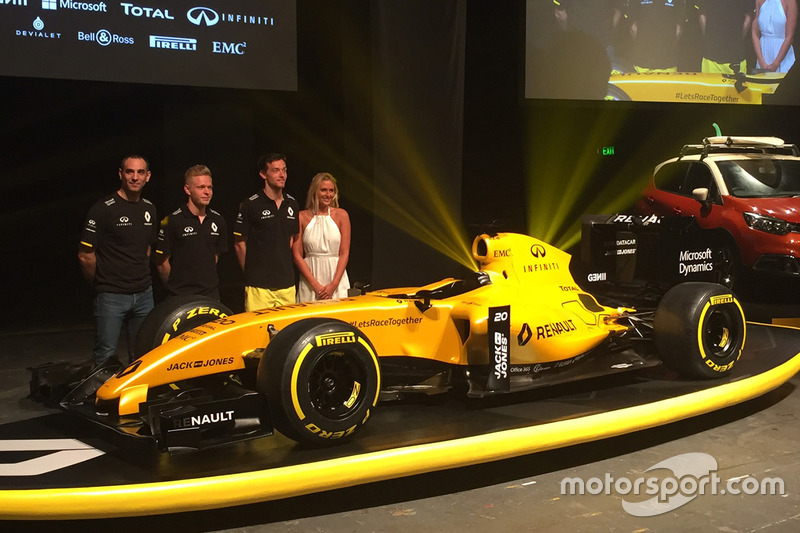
{"x":773,"y":225}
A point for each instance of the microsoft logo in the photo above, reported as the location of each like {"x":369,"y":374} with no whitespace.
{"x":49,"y":4}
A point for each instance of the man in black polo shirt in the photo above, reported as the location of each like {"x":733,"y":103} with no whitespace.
{"x":263,"y":233}
{"x":114,"y":256}
{"x":191,"y":240}
{"x":656,"y":26}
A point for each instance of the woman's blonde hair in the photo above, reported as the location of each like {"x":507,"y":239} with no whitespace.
{"x":312,"y":201}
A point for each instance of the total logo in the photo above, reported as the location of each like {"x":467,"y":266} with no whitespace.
{"x":187,"y":44}
{"x":104,"y":38}
{"x":53,"y":5}
{"x":146,"y":12}
{"x":205,"y":16}
{"x":38,"y":33}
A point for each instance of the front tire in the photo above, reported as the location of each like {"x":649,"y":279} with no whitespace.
{"x":700,"y":329}
{"x":176,"y":315}
{"x":321,"y":377}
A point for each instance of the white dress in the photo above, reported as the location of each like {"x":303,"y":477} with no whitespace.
{"x":772,"y":23}
{"x":321,"y":240}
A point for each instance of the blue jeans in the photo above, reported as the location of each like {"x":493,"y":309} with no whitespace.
{"x":111,"y":312}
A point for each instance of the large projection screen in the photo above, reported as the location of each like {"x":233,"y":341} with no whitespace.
{"x":651,"y":51}
{"x":247,"y":44}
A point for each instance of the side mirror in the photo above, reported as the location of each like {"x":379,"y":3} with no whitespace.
{"x":701,"y":195}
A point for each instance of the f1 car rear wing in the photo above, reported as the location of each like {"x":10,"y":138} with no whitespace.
{"x":733,"y":144}
{"x":624,"y":249}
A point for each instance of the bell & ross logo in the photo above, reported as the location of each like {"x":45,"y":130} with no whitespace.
{"x":104,"y":38}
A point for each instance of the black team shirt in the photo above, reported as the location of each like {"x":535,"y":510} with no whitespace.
{"x":192,"y":248}
{"x":119,"y":233}
{"x":267,"y":230}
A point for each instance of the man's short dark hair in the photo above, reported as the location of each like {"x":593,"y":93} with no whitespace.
{"x":265,"y":160}
{"x":135,"y":156}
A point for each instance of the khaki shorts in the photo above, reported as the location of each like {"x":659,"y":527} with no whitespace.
{"x":258,"y":298}
{"x":724,"y":68}
{"x":644,"y":70}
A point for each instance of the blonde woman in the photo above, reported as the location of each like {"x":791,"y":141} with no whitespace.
{"x":323,"y":247}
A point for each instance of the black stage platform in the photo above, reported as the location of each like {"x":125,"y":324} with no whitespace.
{"x":83,"y":470}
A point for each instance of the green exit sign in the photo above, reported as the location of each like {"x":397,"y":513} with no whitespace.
{"x":607,"y":150}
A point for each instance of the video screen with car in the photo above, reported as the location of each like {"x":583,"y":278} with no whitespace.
{"x":247,"y":44}
{"x":704,"y":51}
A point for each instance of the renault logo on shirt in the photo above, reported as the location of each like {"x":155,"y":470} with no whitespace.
{"x":202,"y":15}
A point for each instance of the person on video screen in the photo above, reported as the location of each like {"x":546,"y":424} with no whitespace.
{"x":724,"y":24}
{"x":597,"y":19}
{"x":655,"y":28}
{"x":773,"y":33}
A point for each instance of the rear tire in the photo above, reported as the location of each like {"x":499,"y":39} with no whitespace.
{"x":321,"y":377}
{"x":700,"y":329}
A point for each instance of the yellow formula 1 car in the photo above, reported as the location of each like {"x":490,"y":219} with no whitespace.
{"x":693,"y":87}
{"x":315,"y":371}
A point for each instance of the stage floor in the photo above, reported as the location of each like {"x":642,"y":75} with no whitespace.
{"x":756,"y":438}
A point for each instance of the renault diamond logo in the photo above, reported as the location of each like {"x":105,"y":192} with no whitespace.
{"x":202,"y":15}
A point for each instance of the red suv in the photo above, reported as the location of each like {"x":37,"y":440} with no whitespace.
{"x":745,"y":189}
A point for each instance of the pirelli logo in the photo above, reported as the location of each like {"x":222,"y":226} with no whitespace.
{"x":329,"y":339}
{"x":724,"y":299}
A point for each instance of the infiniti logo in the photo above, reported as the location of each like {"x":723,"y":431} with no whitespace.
{"x":188,"y":229}
{"x":202,"y":15}
{"x":124,"y":219}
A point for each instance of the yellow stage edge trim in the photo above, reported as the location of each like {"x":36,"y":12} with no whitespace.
{"x":296,"y":480}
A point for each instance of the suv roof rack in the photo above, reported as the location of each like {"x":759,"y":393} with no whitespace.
{"x":730,"y":144}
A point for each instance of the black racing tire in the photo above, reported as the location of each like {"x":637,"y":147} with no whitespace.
{"x":699,"y":330}
{"x":616,"y":94}
{"x":176,"y":315}
{"x":321,"y":377}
